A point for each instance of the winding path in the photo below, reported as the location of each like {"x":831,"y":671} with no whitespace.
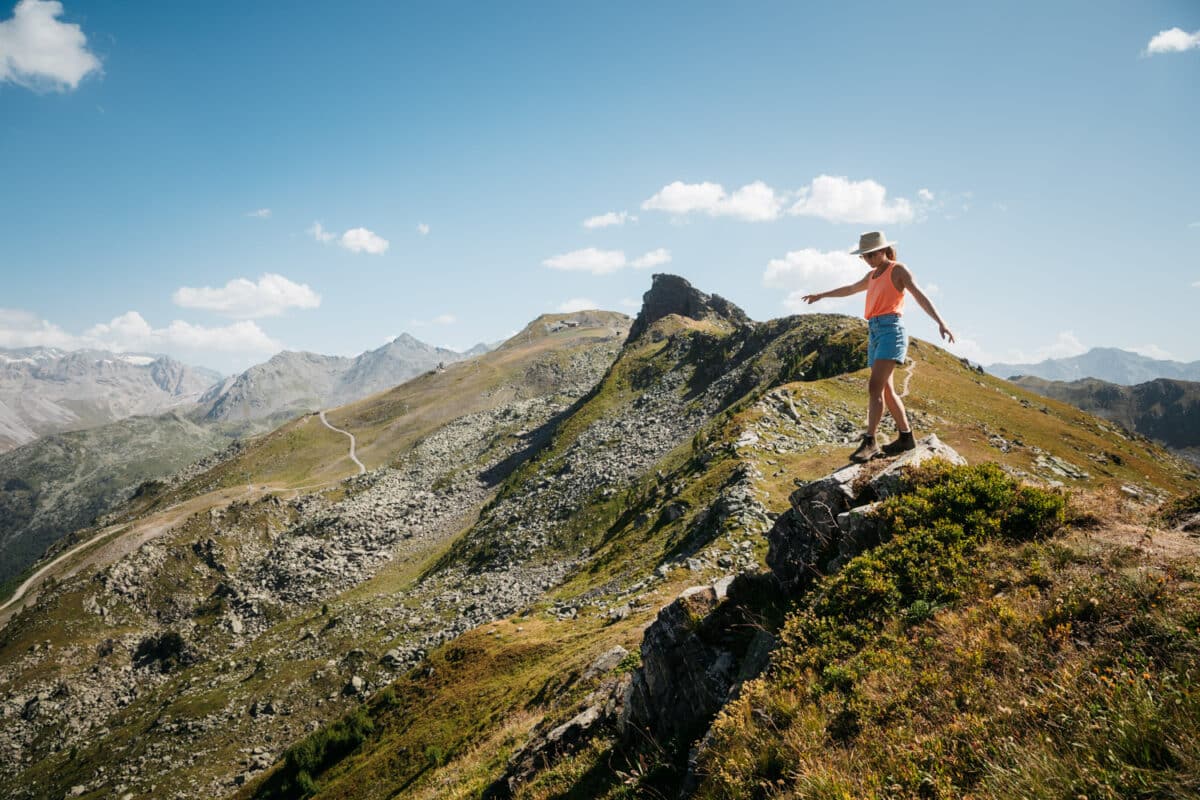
{"x":19,"y":594}
{"x":109,"y":545}
{"x":353,"y":457}
{"x":105,"y":535}
{"x":912,"y":367}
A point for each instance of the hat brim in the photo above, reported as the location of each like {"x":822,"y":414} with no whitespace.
{"x":861,"y":252}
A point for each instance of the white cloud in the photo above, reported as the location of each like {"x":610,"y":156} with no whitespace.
{"x":39,"y":52}
{"x":20,"y":328}
{"x":356,"y":240}
{"x":809,"y":271}
{"x":242,"y":299}
{"x":1196,"y":285}
{"x":441,"y":319}
{"x":1175,"y":40}
{"x":838,"y":199}
{"x":1152,"y":351}
{"x":652,"y":259}
{"x":932,"y":290}
{"x":832,"y":198}
{"x":611,"y":218}
{"x":131,"y":332}
{"x":1065,"y":345}
{"x":422,"y":229}
{"x":754,"y":202}
{"x":603,"y":262}
{"x":576,"y":304}
{"x":320,"y":234}
{"x":684,"y":198}
{"x":629,"y":302}
{"x":361,"y":240}
{"x":925,"y":195}
{"x":1194,"y":225}
{"x":597,"y":262}
{"x":965,"y":347}
{"x":262,"y":213}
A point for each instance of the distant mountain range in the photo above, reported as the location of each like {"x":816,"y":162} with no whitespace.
{"x":295,"y":382}
{"x":1165,"y":410}
{"x":1104,"y":363}
{"x":45,"y":390}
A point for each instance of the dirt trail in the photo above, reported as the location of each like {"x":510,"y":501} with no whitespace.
{"x":912,"y":367}
{"x":115,"y":542}
{"x":353,"y":457}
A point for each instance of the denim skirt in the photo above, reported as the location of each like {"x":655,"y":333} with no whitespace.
{"x":887,"y":339}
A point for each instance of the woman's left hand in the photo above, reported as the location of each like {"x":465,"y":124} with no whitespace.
{"x":946,"y":334}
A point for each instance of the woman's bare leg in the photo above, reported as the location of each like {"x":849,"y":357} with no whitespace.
{"x":895,"y":405}
{"x":879,"y":385}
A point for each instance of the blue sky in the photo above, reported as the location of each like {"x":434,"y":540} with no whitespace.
{"x":219,"y":180}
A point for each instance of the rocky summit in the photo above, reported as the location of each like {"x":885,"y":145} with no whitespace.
{"x":614,"y":558}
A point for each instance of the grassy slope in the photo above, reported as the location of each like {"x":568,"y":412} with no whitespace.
{"x":305,"y":454}
{"x":1016,"y":667}
{"x":433,"y":399}
{"x":461,"y":746}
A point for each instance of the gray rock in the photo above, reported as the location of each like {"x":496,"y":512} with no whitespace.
{"x":889,"y":481}
{"x":683,"y":680}
{"x":606,"y":662}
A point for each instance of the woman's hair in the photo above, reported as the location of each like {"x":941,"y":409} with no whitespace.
{"x":890,"y":252}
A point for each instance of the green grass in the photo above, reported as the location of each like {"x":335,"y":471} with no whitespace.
{"x":468,"y":692}
{"x":971,"y":657}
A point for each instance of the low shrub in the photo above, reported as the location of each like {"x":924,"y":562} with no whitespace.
{"x":168,"y":651}
{"x":305,"y":761}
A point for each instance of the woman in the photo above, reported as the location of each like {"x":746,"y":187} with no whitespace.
{"x":887,"y":343}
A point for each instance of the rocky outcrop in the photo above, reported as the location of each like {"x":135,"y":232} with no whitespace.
{"x":671,"y":294}
{"x":708,"y":641}
{"x":552,"y":739}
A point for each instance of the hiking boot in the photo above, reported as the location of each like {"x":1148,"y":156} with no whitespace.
{"x":866,"y":451}
{"x":904,"y":441}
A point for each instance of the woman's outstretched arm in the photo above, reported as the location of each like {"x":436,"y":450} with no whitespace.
{"x":907,"y":282}
{"x":841,"y":291}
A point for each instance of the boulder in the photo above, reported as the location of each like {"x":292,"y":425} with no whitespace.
{"x":889,"y":481}
{"x":830,"y":523}
{"x":606,"y":663}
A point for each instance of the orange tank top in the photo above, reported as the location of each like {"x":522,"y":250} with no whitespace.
{"x":882,"y":295}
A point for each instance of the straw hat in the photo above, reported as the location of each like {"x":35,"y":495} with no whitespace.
{"x":870,"y":242}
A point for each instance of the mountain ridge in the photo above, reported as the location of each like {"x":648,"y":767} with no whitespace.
{"x":1109,"y":364}
{"x":45,"y":390}
{"x":306,"y":627}
{"x":1163,"y":409}
{"x":85,"y":473}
